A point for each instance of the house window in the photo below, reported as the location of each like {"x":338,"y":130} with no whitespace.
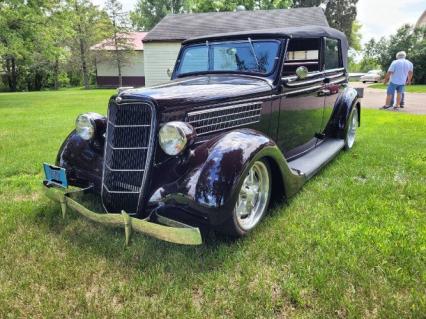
{"x":331,"y":54}
{"x":302,"y":52}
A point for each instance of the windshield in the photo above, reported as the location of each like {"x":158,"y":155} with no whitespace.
{"x":258,"y":56}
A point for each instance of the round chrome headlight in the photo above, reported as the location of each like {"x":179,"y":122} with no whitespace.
{"x":85,"y":126}
{"x":173,"y":137}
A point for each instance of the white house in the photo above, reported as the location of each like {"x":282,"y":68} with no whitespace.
{"x":133,"y":72}
{"x":162,"y":43}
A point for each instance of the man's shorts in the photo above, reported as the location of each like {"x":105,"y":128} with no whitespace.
{"x":392,"y":87}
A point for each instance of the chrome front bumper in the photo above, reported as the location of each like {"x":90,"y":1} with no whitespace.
{"x":164,"y":228}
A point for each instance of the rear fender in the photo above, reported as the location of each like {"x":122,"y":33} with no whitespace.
{"x":342,"y":108}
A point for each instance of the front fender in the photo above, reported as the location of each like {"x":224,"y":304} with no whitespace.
{"x":83,"y":161}
{"x":216,"y":169}
{"x":342,"y":108}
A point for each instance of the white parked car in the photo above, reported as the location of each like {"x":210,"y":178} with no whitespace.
{"x":371,"y":76}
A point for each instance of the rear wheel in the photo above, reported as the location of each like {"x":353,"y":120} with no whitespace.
{"x":350,"y":130}
{"x":252,"y":202}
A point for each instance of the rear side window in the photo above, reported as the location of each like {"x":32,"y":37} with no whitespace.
{"x":331,"y":54}
{"x":302,"y":52}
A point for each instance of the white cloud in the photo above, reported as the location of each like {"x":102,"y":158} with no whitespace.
{"x":383,"y":17}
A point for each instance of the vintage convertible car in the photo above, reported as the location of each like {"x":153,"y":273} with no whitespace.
{"x":246,"y":117}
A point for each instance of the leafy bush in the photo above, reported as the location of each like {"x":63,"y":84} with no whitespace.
{"x":407,"y":38}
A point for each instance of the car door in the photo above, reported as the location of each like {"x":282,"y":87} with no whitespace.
{"x":302,"y":99}
{"x":335,"y":77}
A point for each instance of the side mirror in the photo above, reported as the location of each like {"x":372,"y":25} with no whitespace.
{"x":302,"y":72}
{"x":169,"y":72}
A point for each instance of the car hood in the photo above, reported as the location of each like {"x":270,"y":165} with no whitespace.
{"x":201,"y":90}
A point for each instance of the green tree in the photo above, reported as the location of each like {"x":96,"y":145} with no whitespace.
{"x":356,"y":36}
{"x":407,"y":38}
{"x":120,"y":40}
{"x":29,"y":42}
{"x":89,"y":25}
{"x":148,"y":13}
{"x":370,"y":59}
{"x":340,"y":13}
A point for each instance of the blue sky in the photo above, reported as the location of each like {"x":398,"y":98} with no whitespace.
{"x":378,"y":17}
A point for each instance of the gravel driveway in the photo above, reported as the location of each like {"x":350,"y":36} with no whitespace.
{"x":375,"y":98}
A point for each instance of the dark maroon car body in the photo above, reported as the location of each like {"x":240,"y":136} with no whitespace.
{"x":295,"y":117}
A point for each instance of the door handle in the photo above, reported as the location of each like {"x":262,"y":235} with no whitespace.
{"x":323,"y":92}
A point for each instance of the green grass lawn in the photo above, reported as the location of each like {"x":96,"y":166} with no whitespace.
{"x":351,"y":244}
{"x":415,"y":88}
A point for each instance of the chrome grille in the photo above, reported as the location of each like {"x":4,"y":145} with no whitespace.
{"x":127,"y":158}
{"x":222,"y":118}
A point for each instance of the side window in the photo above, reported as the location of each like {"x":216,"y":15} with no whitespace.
{"x":331,"y":54}
{"x":302,"y":52}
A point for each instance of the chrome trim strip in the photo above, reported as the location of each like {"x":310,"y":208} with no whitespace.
{"x":123,"y":170}
{"x":294,"y":77}
{"x":338,"y":81}
{"x":227,"y":128}
{"x":128,"y":148}
{"x":301,"y":63}
{"x":141,"y":125}
{"x":118,"y":192}
{"x":335,"y":76}
{"x":302,"y":90}
{"x":302,"y":83}
{"x":217,"y":109}
{"x":334,"y":70}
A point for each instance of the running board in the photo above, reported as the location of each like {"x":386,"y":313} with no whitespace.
{"x":310,"y":163}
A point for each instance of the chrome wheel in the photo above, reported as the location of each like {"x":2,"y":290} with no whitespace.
{"x":254,"y":196}
{"x":351,"y":129}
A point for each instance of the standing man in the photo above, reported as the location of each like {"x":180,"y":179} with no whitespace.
{"x":399,"y":73}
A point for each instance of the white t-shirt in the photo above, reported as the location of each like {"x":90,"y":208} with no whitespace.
{"x":400,"y":69}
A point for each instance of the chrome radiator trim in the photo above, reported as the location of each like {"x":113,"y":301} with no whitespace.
{"x":140,"y":172}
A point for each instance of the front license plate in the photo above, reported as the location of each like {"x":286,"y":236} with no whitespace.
{"x":55,"y":175}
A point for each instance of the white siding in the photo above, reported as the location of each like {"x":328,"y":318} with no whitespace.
{"x":134,"y":67}
{"x":159,"y":56}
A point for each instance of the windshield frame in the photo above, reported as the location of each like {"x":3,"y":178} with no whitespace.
{"x":280,"y":42}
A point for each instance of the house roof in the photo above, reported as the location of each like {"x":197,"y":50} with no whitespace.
{"x":422,"y":20}
{"x":134,"y":41}
{"x":179,"y":27}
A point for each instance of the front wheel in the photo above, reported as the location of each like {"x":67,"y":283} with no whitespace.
{"x":350,"y":130}
{"x":252,"y":202}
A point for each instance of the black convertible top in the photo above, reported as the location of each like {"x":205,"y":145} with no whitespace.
{"x":293,"y":32}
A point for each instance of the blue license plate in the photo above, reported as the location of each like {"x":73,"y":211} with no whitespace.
{"x":55,"y":175}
